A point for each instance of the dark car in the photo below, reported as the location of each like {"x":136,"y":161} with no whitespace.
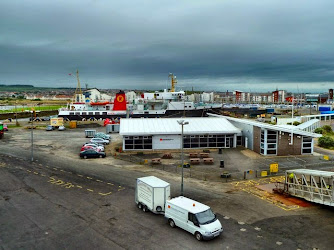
{"x":92,"y":154}
{"x":49,"y":128}
{"x":45,"y":118}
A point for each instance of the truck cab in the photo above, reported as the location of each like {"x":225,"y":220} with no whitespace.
{"x":194,"y":217}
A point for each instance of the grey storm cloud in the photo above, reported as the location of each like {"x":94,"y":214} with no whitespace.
{"x":218,"y":44}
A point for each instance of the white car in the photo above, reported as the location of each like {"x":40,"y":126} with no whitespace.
{"x":99,"y":140}
{"x":94,"y":145}
{"x":61,"y":128}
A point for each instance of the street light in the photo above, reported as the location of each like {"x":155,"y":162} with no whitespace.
{"x":16,"y":114}
{"x":182,"y":123}
{"x":32,"y":135}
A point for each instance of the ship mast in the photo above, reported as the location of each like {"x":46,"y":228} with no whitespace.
{"x":173,"y":81}
{"x":78,"y":91}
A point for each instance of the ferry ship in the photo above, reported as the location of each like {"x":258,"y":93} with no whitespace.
{"x":157,"y":104}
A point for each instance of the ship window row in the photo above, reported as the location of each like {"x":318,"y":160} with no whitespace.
{"x":88,"y":113}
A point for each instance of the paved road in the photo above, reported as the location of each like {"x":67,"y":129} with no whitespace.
{"x":64,"y":202}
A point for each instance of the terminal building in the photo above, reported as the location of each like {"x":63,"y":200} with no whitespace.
{"x":215,"y":132}
{"x":165,"y":133}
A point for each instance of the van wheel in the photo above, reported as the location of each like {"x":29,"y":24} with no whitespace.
{"x":171,"y":223}
{"x":159,"y":209}
{"x":144,"y":209}
{"x":140,"y":206}
{"x":198,"y":236}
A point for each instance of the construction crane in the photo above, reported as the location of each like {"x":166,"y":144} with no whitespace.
{"x":173,"y":81}
{"x":78,"y":91}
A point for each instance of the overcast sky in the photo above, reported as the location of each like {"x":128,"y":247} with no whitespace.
{"x":249,"y":45}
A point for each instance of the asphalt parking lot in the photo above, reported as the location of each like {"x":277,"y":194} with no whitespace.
{"x":62,"y":201}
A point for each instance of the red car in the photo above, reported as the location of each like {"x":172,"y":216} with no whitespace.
{"x":90,"y":147}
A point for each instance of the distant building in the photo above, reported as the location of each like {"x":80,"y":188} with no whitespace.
{"x":241,"y":96}
{"x":279,"y":96}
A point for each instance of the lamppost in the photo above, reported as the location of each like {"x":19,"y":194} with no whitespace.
{"x":182,"y":123}
{"x":16,"y":114}
{"x":32,"y":135}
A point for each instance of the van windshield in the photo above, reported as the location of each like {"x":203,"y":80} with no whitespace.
{"x":206,"y":217}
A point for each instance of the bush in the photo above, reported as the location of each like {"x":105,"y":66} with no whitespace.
{"x":327,"y":129}
{"x":326,"y":142}
{"x":318,"y":130}
{"x":296,"y":123}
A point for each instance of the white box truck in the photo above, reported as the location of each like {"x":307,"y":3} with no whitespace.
{"x":194,"y":217}
{"x":152,"y":194}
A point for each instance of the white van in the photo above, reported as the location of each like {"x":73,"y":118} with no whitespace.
{"x":194,"y":217}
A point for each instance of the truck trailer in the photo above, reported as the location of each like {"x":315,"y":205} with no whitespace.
{"x":152,"y":194}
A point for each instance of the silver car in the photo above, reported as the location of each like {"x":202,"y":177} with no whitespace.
{"x":99,"y":140}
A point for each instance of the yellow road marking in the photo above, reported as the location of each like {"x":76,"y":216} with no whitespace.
{"x":79,"y":186}
{"x":104,"y":193}
{"x":110,"y":184}
{"x":99,"y":181}
{"x":55,"y":168}
{"x":90,"y":178}
{"x":35,"y":173}
{"x":90,"y":190}
{"x":79,"y":175}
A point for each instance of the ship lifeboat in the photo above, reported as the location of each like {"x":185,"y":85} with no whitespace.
{"x":99,"y":103}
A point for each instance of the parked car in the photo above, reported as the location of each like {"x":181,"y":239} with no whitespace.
{"x":61,"y":128}
{"x":84,"y":148}
{"x":99,"y":140}
{"x":45,"y":118}
{"x":102,"y":135}
{"x":90,"y":153}
{"x":94,"y":145}
{"x":49,"y":128}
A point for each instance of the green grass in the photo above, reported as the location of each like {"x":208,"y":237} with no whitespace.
{"x":37,"y":108}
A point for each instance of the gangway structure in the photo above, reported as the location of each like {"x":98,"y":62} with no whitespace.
{"x":312,"y":185}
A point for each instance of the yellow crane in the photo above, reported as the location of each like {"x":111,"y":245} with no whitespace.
{"x":173,"y":81}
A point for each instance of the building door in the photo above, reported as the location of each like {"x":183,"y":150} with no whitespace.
{"x":228,"y":142}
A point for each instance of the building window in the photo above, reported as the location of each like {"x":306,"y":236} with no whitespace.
{"x":137,"y":142}
{"x":208,"y":141}
{"x":268,"y":142}
{"x":307,"y":145}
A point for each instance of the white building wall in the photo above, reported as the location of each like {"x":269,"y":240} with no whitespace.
{"x":166,"y":142}
{"x":207,"y":97}
{"x":131,"y":96}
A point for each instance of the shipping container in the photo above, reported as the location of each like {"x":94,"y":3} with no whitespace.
{"x":112,"y":128}
{"x":90,"y":133}
{"x":324,"y":108}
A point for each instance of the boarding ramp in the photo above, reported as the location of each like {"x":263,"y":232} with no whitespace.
{"x":311,"y":185}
